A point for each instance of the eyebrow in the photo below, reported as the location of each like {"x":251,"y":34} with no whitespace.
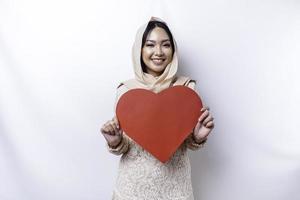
{"x":155,"y":41}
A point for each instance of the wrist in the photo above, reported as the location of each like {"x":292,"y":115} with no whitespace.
{"x":198,"y":140}
{"x":115,"y":145}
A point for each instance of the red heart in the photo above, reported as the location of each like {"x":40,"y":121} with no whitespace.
{"x":159,"y":122}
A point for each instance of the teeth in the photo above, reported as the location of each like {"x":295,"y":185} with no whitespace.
{"x":158,"y":59}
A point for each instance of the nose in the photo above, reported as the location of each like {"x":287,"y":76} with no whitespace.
{"x":158,"y":51}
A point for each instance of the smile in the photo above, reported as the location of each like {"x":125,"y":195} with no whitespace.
{"x":158,"y":61}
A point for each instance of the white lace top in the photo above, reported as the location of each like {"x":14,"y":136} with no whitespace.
{"x":142,"y":177}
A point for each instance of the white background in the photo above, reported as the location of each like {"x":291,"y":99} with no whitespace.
{"x":60,"y":63}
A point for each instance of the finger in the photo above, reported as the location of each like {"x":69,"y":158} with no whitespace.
{"x":111,"y":129}
{"x":104,"y":128}
{"x":207,"y":119}
{"x":203,"y":116}
{"x":115,"y":120}
{"x":114,"y":127}
{"x":120,"y":132}
{"x":210,"y":124}
{"x":204,"y":108}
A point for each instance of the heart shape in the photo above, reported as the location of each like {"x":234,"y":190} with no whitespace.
{"x":159,"y":122}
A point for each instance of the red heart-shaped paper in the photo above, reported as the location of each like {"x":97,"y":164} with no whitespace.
{"x":159,"y":122}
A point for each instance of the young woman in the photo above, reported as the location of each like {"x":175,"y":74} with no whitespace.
{"x":141,"y":176}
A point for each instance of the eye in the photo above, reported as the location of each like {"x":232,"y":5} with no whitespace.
{"x":149,"y":45}
{"x":167,"y":45}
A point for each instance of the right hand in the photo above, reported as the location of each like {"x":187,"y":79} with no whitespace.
{"x":112,"y":132}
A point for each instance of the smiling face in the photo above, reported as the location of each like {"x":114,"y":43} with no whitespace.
{"x":157,"y":51}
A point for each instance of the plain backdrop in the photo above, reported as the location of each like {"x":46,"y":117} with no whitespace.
{"x":60,"y":64}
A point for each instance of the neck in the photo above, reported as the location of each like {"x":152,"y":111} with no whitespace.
{"x":156,"y":75}
{"x":153,"y":73}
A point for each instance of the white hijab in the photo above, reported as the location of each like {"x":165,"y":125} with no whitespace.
{"x":148,"y":81}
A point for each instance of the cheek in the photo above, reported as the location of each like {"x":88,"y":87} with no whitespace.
{"x":146,"y":55}
{"x":168,"y":54}
{"x":146,"y":52}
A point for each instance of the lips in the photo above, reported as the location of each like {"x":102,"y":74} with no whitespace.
{"x":158,"y":61}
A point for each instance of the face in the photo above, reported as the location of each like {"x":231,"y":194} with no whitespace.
{"x":157,"y":51}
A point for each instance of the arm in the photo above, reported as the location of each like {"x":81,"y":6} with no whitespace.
{"x":124,"y":144}
{"x":190,"y":141}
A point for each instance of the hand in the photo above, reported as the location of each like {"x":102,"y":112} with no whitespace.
{"x":204,"y":126}
{"x":112,"y":132}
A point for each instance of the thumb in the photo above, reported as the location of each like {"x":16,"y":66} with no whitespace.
{"x":197,"y":127}
{"x":115,"y":119}
{"x":119,"y":132}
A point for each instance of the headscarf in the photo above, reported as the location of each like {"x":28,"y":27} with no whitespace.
{"x":148,"y":81}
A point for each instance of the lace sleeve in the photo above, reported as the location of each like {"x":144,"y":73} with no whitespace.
{"x":192,"y":144}
{"x":190,"y":141}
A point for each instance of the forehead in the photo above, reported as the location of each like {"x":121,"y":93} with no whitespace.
{"x":158,"y":34}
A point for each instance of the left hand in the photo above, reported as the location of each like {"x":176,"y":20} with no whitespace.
{"x":204,"y":126}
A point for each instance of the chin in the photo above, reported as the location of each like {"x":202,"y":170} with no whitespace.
{"x":158,"y":68}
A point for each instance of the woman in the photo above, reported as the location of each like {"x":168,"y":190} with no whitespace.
{"x":141,"y":176}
